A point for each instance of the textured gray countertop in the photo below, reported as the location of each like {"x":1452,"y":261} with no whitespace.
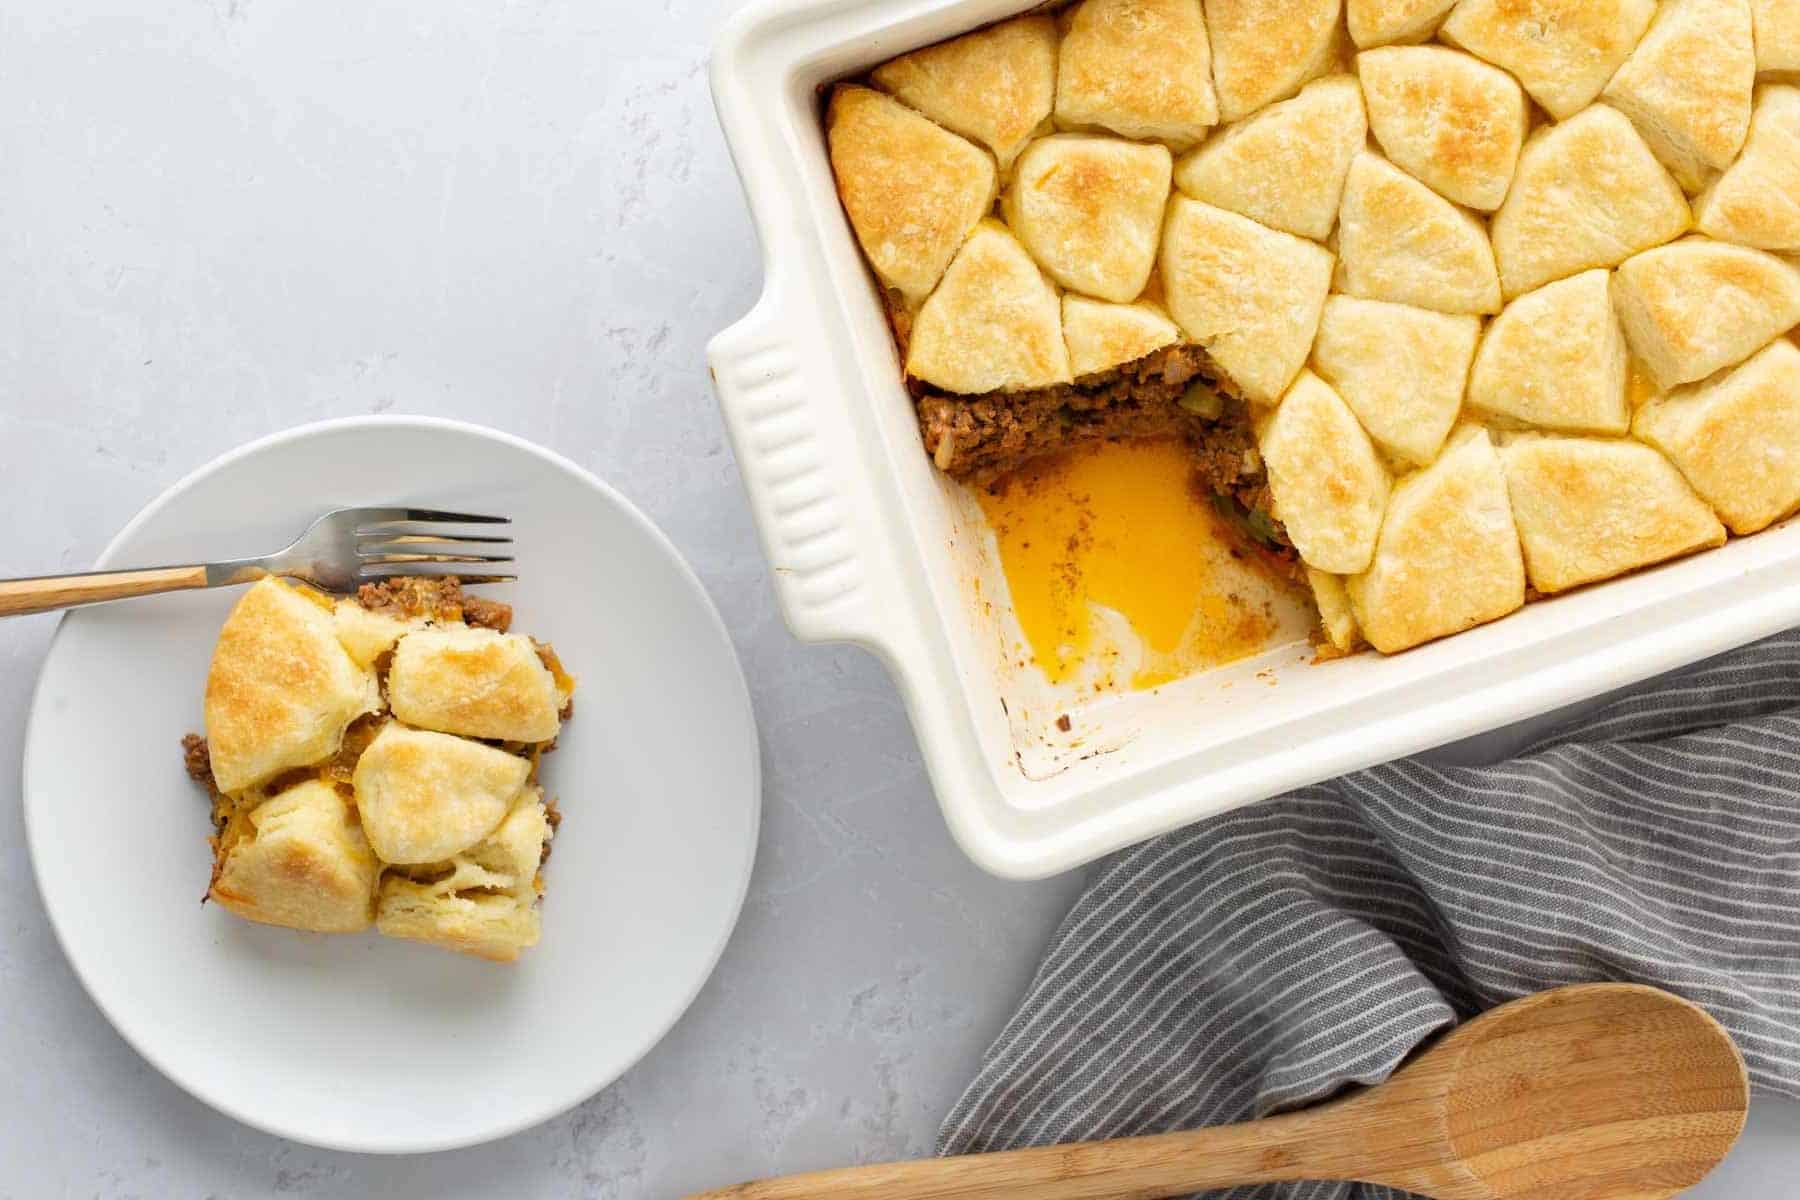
{"x":224,"y":217}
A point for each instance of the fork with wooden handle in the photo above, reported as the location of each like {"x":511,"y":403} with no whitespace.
{"x":1591,"y":1092}
{"x":339,"y":552}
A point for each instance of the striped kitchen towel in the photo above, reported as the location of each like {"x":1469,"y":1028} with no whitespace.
{"x":1272,"y":956}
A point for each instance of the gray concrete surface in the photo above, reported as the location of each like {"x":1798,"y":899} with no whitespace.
{"x":219,"y":218}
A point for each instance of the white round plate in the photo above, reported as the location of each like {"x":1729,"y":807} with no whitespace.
{"x":358,"y":1042}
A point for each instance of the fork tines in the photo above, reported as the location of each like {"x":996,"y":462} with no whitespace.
{"x":386,"y":547}
{"x":392,"y":516}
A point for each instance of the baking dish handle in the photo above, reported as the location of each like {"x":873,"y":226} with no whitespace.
{"x":793,"y":452}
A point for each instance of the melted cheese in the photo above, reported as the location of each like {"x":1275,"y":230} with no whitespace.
{"x":1121,"y":526}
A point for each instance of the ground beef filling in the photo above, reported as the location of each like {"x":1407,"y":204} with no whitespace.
{"x":435,"y":599}
{"x":980,"y":440}
{"x":198,"y":762}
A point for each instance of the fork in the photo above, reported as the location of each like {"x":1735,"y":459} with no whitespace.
{"x":339,"y":552}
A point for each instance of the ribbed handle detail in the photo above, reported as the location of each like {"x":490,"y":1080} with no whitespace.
{"x":794,"y":452}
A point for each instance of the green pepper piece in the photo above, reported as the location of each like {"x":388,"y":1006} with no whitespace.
{"x":1201,"y":400}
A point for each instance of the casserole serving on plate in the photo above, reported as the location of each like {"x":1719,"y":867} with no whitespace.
{"x":871,"y":543}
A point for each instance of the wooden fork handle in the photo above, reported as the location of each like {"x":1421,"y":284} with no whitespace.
{"x":21,"y":596}
{"x":1290,"y":1147}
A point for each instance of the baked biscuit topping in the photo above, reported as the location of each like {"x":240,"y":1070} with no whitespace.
{"x":341,"y":751}
{"x":913,"y":189}
{"x":1398,"y":240}
{"x":1102,"y":336}
{"x":1264,"y":50}
{"x":483,"y":901}
{"x":1140,"y":68}
{"x":1329,"y":486}
{"x":282,"y":689}
{"x":993,"y":325}
{"x":425,"y":796}
{"x":1285,"y":166}
{"x":1587,"y":193}
{"x":1249,"y":294}
{"x":1736,"y":437}
{"x":1756,"y":201}
{"x":1448,"y":557}
{"x":1591,"y":508}
{"x":1698,"y":306}
{"x":1378,"y":22}
{"x":1421,"y":301}
{"x":476,"y":683}
{"x":1401,"y":370}
{"x":1555,"y":358}
{"x":995,"y":86}
{"x":1777,"y":28}
{"x":1563,"y":51}
{"x":1089,"y":209}
{"x":1447,"y":118}
{"x":1687,"y":86}
{"x":299,"y":859}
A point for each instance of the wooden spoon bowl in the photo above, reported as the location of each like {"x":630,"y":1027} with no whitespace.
{"x":1592,"y":1092}
{"x":1596,"y":1092}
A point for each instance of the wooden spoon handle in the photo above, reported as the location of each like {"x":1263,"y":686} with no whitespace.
{"x":21,"y":596}
{"x":1297,"y":1146}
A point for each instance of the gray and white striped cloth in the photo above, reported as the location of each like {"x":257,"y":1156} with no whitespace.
{"x":1272,"y":956}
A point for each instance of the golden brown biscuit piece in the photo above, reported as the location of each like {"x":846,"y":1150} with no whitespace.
{"x":1777,"y":26}
{"x":516,"y":849}
{"x":1265,"y":50}
{"x":456,"y":914}
{"x":1555,"y":359}
{"x":1592,"y":508}
{"x":424,"y":796}
{"x":1446,"y":118}
{"x":994,"y":86}
{"x":282,"y":689}
{"x":1698,"y":306}
{"x":475,"y":682}
{"x":1102,"y":336}
{"x":913,"y":190}
{"x":1328,"y":483}
{"x":1563,"y":51}
{"x":366,"y":634}
{"x":298,"y":859}
{"x":1089,"y":209}
{"x":1687,"y":86}
{"x":1400,"y":369}
{"x":994,"y":324}
{"x":1736,"y":437}
{"x":1141,"y":68}
{"x":1448,"y":556}
{"x":1400,"y":241}
{"x":482,"y":902}
{"x":1379,"y":22}
{"x":1249,"y":294}
{"x":1756,"y":202}
{"x":1285,"y":166}
{"x":1335,"y":616}
{"x":1587,"y":193}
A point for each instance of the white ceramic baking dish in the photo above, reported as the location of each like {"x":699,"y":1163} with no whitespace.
{"x":868,"y":544}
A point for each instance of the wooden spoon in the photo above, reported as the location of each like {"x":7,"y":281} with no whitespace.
{"x":1593,"y":1092}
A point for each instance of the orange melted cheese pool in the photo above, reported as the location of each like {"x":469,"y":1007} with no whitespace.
{"x":1121,"y":526}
